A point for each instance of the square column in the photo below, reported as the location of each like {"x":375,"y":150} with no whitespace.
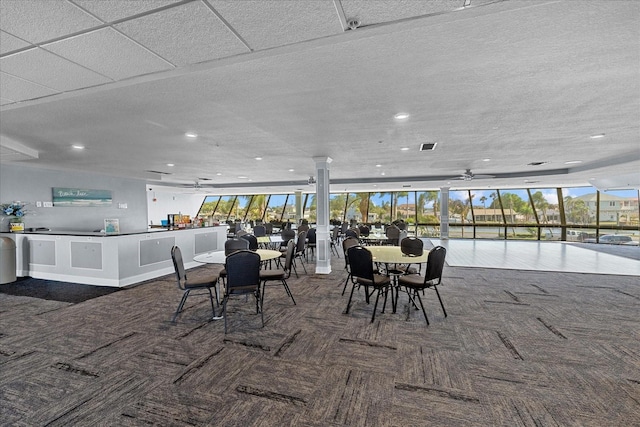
{"x":323,"y":234}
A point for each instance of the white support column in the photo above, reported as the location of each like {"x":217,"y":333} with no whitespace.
{"x":298,"y":206}
{"x":323,"y":234}
{"x":444,"y":213}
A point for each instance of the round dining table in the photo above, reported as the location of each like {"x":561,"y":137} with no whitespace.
{"x":219,"y":257}
{"x":393,"y":255}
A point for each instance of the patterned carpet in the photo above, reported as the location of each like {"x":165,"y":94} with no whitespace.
{"x":518,"y":348}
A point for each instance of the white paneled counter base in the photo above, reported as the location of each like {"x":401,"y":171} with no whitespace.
{"x":110,"y":260}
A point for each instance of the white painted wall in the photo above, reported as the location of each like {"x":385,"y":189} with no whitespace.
{"x":165,"y":200}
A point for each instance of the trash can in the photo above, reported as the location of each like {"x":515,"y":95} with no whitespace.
{"x":7,"y":260}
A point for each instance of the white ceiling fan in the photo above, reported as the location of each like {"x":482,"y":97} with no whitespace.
{"x":467,"y":175}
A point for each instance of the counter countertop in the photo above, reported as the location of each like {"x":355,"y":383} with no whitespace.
{"x":103,"y":234}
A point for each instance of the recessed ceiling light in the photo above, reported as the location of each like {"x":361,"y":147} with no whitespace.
{"x":242,"y":177}
{"x":382,"y":173}
{"x":486,"y":160}
{"x":291,"y":170}
{"x":599,"y":135}
{"x":404,"y":149}
{"x":572,"y":162}
{"x":170,"y":165}
{"x":258,"y":158}
{"x":191,"y":135}
{"x":401,"y":116}
{"x":77,"y":147}
{"x":378,"y":166}
{"x":219,"y":174}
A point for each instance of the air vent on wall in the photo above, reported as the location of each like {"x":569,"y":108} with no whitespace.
{"x":429,"y":146}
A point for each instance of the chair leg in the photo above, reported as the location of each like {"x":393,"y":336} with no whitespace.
{"x":213,"y":310}
{"x":346,"y":282}
{"x":440,"y":299}
{"x":286,"y":288}
{"x":180,"y":306}
{"x":375,"y":306}
{"x":422,"y":306}
{"x":353,"y":288}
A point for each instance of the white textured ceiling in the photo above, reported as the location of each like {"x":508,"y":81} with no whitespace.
{"x":511,"y":81}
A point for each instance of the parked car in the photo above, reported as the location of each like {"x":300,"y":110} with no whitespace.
{"x":613,"y":239}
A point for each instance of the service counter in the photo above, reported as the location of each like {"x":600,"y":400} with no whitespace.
{"x":110,"y":259}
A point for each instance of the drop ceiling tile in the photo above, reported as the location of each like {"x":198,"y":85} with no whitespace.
{"x":269,"y":24}
{"x":186,"y":34}
{"x":42,"y":67}
{"x":9,"y":42}
{"x":14,"y":89}
{"x":375,"y":12}
{"x":111,"y":10}
{"x":109,"y":53}
{"x":37,"y":21}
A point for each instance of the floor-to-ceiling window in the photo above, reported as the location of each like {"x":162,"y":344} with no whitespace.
{"x":571,"y":214}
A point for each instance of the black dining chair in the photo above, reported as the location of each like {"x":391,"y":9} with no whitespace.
{"x":187,"y":285}
{"x":253,"y":241}
{"x":243,"y":278}
{"x":299,"y":254}
{"x":280,"y":274}
{"x":364,"y":275}
{"x":311,"y":243}
{"x":346,"y":244}
{"x":231,"y":246}
{"x":412,"y":247}
{"x":415,"y":283}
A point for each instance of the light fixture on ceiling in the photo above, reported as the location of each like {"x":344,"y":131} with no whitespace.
{"x":191,"y":135}
{"x":291,"y":170}
{"x":486,"y":160}
{"x":404,"y":149}
{"x":170,"y":165}
{"x":378,"y":166}
{"x":77,"y":147}
{"x":596,"y":136}
{"x":401,"y":116}
{"x":258,"y":158}
{"x":311,"y":180}
{"x":572,"y":162}
{"x":219,"y":174}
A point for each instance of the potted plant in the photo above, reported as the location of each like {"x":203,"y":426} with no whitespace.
{"x":16,"y":212}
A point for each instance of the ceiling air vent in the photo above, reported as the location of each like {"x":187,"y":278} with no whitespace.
{"x":159,"y":172}
{"x":429,"y":146}
{"x":537,"y":163}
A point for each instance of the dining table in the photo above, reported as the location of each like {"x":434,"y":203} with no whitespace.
{"x":393,"y":255}
{"x":219,"y":257}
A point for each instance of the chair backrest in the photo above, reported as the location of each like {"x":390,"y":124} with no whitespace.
{"x":236,"y":244}
{"x":412,"y":246}
{"x":352,"y":232}
{"x":311,"y":235}
{"x":303,"y":227}
{"x":344,"y":227}
{"x":291,"y":249}
{"x":269,"y":228}
{"x":302,"y":240}
{"x":287,"y":234}
{"x":435,"y":264}
{"x":364,"y":230}
{"x":347,"y":243}
{"x":243,"y":272}
{"x":259,"y":230}
{"x":335,"y":233}
{"x":178,"y":264}
{"x":393,"y":232}
{"x":360,"y":262}
{"x":253,"y":241}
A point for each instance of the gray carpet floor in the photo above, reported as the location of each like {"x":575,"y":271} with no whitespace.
{"x":518,"y":348}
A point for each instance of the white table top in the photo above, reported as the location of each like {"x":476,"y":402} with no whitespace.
{"x":219,"y":257}
{"x":393,"y":255}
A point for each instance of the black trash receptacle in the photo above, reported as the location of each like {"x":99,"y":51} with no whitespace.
{"x":7,"y":260}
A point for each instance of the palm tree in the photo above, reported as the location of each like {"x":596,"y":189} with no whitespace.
{"x":483,"y":200}
{"x":493,"y":204}
{"x":539,"y":202}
